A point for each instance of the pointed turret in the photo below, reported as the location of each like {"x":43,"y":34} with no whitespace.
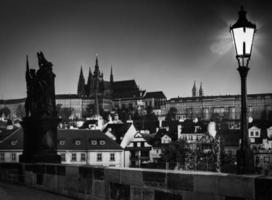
{"x":89,"y":86}
{"x":96,"y":68}
{"x":194,"y":90}
{"x":111,"y":77}
{"x":201,"y":93}
{"x":81,"y":84}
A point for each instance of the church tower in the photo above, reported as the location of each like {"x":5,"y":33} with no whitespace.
{"x":81,"y":84}
{"x":89,"y":86}
{"x":201,"y":93}
{"x":96,"y":67}
{"x":194,"y":90}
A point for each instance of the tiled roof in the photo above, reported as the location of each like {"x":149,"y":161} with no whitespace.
{"x":118,"y":130}
{"x":4,"y":132}
{"x":125,"y":89}
{"x":86,"y":138}
{"x":156,"y":95}
{"x":70,"y":138}
{"x":13,"y":139}
{"x":126,"y":84}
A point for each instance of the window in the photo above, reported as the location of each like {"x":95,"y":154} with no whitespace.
{"x":77,"y":142}
{"x":99,"y":157}
{"x":83,"y":157}
{"x":62,"y":156}
{"x":74,"y":157}
{"x":2,"y":157}
{"x":251,"y":133}
{"x":112,"y":157}
{"x":102,"y":142}
{"x":93,"y":142}
{"x":257,"y":134}
{"x":62,"y":142}
{"x":142,"y":144}
{"x":13,"y":156}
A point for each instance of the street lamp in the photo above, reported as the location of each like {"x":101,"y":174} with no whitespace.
{"x":243,"y":33}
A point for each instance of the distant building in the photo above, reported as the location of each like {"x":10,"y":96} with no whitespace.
{"x":155,"y":99}
{"x":191,"y":131}
{"x":90,"y":147}
{"x":226,"y":107}
{"x":137,"y":151}
{"x":95,"y":90}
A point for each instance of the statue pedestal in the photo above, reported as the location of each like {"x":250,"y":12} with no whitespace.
{"x":40,"y":140}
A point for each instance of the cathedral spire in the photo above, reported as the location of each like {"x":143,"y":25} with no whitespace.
{"x":96,"y":68}
{"x":194,"y":90}
{"x":96,"y":60}
{"x":81,"y":84}
{"x":201,"y":90}
{"x":89,"y":83}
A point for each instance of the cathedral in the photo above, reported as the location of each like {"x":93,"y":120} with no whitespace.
{"x":107,"y":94}
{"x":95,"y":85}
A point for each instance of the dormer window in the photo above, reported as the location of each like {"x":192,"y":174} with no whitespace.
{"x":13,"y":142}
{"x":102,"y":142}
{"x":254,"y":132}
{"x":77,"y":142}
{"x":93,"y":142}
{"x":257,"y":134}
{"x":62,"y":142}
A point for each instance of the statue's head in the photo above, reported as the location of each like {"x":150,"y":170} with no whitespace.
{"x":42,"y":61}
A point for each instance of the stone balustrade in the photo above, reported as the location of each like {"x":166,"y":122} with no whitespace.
{"x":98,"y":183}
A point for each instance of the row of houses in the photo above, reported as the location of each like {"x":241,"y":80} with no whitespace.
{"x":122,"y":145}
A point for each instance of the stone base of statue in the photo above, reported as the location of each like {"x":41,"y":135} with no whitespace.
{"x":40,"y":140}
{"x":245,"y":161}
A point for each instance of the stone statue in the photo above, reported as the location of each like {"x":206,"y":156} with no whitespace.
{"x":40,"y":123}
{"x":40,"y":101}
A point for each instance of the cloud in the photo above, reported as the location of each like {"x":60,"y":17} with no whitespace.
{"x":221,"y":47}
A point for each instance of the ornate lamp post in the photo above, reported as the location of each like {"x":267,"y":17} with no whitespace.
{"x":243,"y":33}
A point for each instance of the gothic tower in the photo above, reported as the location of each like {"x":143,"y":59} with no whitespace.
{"x":201,"y":93}
{"x":96,"y":67}
{"x":89,"y":86}
{"x":194,"y":90}
{"x":81,"y":84}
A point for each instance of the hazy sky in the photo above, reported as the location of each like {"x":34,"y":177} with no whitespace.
{"x":162,"y":44}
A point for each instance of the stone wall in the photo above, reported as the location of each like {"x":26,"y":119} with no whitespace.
{"x":96,"y":183}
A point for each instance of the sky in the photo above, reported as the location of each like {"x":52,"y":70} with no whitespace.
{"x":162,"y":44}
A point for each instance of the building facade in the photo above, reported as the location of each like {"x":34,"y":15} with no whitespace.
{"x":85,"y":147}
{"x":224,"y":106}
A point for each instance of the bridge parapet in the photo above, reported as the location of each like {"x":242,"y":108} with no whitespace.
{"x":98,"y":183}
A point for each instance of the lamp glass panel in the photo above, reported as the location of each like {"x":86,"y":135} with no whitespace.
{"x":243,"y":35}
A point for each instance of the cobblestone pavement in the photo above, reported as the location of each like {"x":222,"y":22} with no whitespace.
{"x":18,"y":192}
